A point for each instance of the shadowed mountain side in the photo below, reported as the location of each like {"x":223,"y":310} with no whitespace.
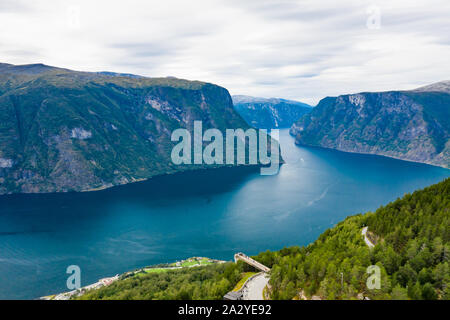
{"x":63,"y":130}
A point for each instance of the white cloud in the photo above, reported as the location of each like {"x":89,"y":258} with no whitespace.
{"x":301,"y":50}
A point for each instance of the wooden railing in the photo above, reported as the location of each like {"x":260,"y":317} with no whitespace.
{"x":250,"y":261}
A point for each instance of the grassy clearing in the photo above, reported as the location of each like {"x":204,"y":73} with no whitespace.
{"x":192,"y":262}
{"x":176,"y":265}
{"x":189,"y":263}
{"x":155,"y":270}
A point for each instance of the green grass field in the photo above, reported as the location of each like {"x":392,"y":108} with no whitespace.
{"x":184,"y":264}
{"x":155,"y":270}
{"x":192,"y":262}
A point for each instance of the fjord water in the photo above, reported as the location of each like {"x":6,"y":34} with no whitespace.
{"x":213,"y":213}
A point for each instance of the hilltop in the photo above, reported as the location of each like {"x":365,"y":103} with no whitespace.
{"x":409,"y":125}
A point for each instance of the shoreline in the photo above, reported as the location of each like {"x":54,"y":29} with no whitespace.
{"x":162,"y":267}
{"x":137,"y":180}
{"x":371,"y":154}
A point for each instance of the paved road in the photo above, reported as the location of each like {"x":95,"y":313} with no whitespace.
{"x":364,"y":233}
{"x":254,"y":288}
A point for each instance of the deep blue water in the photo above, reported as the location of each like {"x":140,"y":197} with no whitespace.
{"x":212,"y":213}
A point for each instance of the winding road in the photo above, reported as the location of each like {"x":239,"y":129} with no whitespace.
{"x":368,"y":242}
{"x":254,"y":288}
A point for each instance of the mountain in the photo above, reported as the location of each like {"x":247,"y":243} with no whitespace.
{"x":63,"y":130}
{"x":412,"y":248}
{"x":409,"y":243}
{"x":410,"y":125}
{"x":269,"y":113}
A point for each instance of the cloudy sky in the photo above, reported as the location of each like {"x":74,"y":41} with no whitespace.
{"x":295,"y":49}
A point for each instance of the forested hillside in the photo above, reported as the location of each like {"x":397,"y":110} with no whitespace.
{"x":412,"y":249}
{"x":412,"y":238}
{"x":198,"y":283}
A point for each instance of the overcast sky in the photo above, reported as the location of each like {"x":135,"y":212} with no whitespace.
{"x":294,"y":49}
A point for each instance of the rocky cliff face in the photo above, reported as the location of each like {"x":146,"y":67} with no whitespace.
{"x":269,"y":113}
{"x":410,"y":125}
{"x":62,"y":130}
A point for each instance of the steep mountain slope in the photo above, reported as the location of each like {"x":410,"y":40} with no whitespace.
{"x":269,"y":113}
{"x":410,"y":125}
{"x":62,"y":130}
{"x":412,"y":238}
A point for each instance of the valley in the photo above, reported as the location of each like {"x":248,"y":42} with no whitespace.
{"x":210,"y":213}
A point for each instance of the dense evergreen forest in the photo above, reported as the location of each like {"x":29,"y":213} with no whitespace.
{"x":412,"y":250}
{"x":197,"y":283}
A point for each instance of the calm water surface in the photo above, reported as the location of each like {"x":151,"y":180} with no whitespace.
{"x":210,"y":213}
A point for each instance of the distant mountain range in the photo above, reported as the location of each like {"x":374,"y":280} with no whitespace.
{"x":269,"y":113}
{"x":63,"y":130}
{"x":410,"y":125}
